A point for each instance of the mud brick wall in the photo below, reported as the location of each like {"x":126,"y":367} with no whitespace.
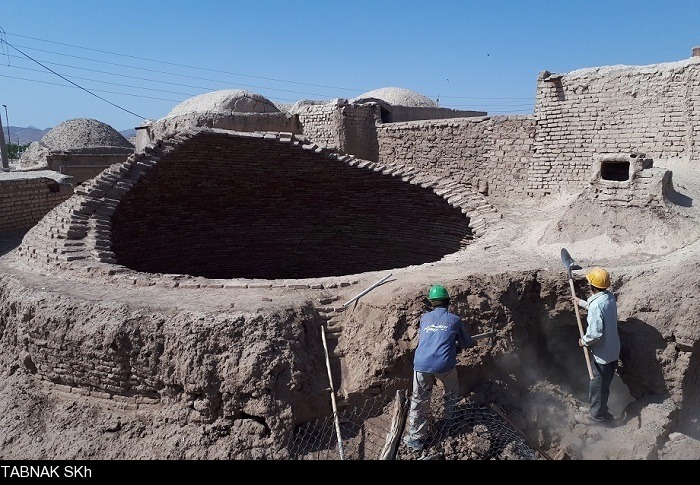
{"x":492,"y":154}
{"x":417,"y":113}
{"x":226,"y":206}
{"x":359,"y":133}
{"x":274,"y":122}
{"x":509,"y":155}
{"x":648,"y":188}
{"x":24,"y":201}
{"x":83,"y":167}
{"x":649,"y":109}
{"x":320,"y":123}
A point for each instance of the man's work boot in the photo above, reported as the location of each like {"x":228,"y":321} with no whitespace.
{"x":587,"y":419}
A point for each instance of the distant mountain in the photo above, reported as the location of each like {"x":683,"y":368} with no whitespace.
{"x":129,"y":134}
{"x":24,"y":136}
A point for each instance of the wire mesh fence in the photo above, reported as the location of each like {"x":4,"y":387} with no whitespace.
{"x":374,"y":430}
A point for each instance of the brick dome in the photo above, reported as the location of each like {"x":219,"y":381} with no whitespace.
{"x":226,"y":101}
{"x":398,"y":97}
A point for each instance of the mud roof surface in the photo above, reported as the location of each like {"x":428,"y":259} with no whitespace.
{"x":83,"y":133}
{"x":225,"y":101}
{"x":399,"y":97}
{"x":71,"y":135}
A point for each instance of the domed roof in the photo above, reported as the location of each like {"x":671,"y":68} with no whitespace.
{"x":83,"y":133}
{"x":399,"y":97}
{"x":225,"y":101}
{"x":74,"y":135}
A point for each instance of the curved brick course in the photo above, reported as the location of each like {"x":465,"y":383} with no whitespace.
{"x":220,"y":205}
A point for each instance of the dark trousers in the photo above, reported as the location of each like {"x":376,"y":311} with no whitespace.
{"x":599,"y":387}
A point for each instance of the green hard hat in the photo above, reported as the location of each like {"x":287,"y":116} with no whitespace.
{"x":438,"y":292}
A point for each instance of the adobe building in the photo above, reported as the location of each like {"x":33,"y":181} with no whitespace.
{"x":205,"y":311}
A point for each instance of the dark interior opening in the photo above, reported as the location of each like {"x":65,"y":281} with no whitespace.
{"x":618,"y":171}
{"x":225,"y":206}
{"x":386,"y":115}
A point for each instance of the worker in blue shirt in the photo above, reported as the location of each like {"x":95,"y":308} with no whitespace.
{"x":603,"y":341}
{"x":440,"y":336}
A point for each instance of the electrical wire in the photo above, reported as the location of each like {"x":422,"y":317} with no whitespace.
{"x":163,"y":72}
{"x":212,"y":70}
{"x":3,"y":41}
{"x":187,"y":66}
{"x":97,"y":90}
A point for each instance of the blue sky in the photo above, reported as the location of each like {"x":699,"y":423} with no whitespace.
{"x":144,"y":57}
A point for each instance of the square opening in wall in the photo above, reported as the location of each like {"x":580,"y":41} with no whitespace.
{"x":613,"y":170}
{"x":386,"y":115}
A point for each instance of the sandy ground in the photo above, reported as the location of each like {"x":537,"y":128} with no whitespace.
{"x":529,"y":236}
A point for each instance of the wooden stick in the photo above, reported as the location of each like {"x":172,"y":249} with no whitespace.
{"x":398,"y":421}
{"x":335,"y":409}
{"x":366,"y":290}
{"x":580,"y":327}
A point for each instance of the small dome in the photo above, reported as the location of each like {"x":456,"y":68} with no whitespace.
{"x":398,"y":97}
{"x":226,"y":101}
{"x":83,"y":133}
{"x":72,"y":135}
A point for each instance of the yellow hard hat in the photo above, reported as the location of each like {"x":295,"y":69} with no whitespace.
{"x":599,"y":278}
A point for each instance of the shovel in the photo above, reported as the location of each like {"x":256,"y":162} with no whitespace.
{"x":568,"y":263}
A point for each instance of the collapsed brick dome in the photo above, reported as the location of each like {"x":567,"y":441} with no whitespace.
{"x":249,"y":208}
{"x":224,"y":205}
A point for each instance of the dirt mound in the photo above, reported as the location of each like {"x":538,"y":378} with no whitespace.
{"x":641,"y":232}
{"x":629,"y":233}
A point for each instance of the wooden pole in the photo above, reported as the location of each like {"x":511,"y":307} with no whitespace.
{"x":335,"y":409}
{"x":580,"y":327}
{"x":367,"y":290}
{"x":398,"y":422}
{"x":3,"y":150}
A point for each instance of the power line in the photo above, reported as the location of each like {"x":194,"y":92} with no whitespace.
{"x":68,"y":80}
{"x":211,"y":70}
{"x":98,"y":90}
{"x":112,"y":83}
{"x":489,"y":107}
{"x":187,"y":66}
{"x":158,"y":72}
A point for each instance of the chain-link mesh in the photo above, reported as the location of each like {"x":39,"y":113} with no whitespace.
{"x":374,"y":430}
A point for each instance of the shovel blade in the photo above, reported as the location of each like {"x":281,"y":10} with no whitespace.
{"x":566,"y":258}
{"x":568,"y":261}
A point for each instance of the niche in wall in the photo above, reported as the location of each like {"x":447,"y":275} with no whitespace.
{"x":617,"y":170}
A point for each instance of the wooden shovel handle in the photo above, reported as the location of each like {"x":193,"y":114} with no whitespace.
{"x":580,"y":327}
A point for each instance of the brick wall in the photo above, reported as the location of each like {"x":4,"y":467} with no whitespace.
{"x":26,"y":197}
{"x":275,"y":122}
{"x":82,"y":167}
{"x":580,"y":115}
{"x":227,"y":207}
{"x":359,"y":133}
{"x":320,"y":123}
{"x":492,"y":154}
